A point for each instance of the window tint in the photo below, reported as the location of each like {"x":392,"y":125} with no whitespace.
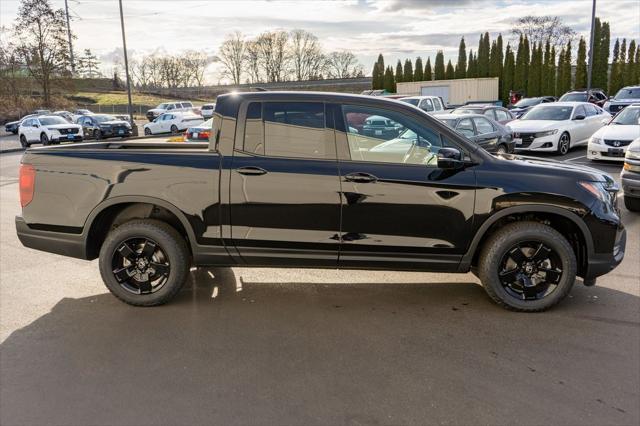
{"x":254,"y":130}
{"x":502,"y":115}
{"x":426,"y":105}
{"x":296,"y":129}
{"x":380,"y":135}
{"x":465,"y":127}
{"x":483,"y":126}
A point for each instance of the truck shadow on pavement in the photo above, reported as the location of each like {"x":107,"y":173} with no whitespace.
{"x":274,"y":353}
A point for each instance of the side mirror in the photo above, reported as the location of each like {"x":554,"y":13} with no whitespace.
{"x":449,"y":159}
{"x":579,"y":117}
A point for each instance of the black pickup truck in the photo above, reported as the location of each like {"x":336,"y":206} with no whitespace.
{"x":291,"y":180}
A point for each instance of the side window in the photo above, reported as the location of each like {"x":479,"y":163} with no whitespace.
{"x":438,"y":104}
{"x":254,"y":129}
{"x":296,"y":129}
{"x":489,"y":113}
{"x":28,"y":122}
{"x":170,"y":107}
{"x":465,"y":127}
{"x":591,"y":110}
{"x":380,"y":135}
{"x":187,"y":105}
{"x":579,"y":111}
{"x":426,"y":105}
{"x":502,"y":115}
{"x":483,"y":126}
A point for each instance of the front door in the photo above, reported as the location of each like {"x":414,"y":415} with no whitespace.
{"x":399,"y":210}
{"x":285,"y":188}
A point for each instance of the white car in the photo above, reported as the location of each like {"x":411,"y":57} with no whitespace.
{"x":48,"y":129}
{"x":207,"y":110}
{"x":172,"y":122}
{"x":558,"y":126}
{"x":611,"y":141}
{"x":429,"y":104}
{"x":175,"y":106}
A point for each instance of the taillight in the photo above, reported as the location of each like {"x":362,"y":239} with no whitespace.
{"x":27,"y":183}
{"x":204,"y":135}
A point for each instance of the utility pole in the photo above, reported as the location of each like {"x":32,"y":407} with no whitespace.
{"x":134,"y":128}
{"x":73,"y":65}
{"x":591,"y":43}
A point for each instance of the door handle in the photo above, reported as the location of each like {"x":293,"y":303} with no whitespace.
{"x":361,"y":177}
{"x":251,"y":171}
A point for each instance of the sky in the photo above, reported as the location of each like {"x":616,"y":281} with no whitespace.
{"x":396,"y":28}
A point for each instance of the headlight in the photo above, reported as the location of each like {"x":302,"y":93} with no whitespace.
{"x":596,"y":141}
{"x":546,"y":133}
{"x":633,"y":155}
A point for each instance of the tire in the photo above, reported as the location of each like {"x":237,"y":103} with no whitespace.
{"x":147,"y":131}
{"x":97,"y":134}
{"x":23,"y":142}
{"x":529,"y":241}
{"x":136,"y":285}
{"x":44,"y":140}
{"x":502,"y":149}
{"x":174,"y":129}
{"x":632,"y":204}
{"x":564,"y":144}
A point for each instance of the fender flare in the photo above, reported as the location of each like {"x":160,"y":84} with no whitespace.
{"x":140,"y":199}
{"x":529,"y":208}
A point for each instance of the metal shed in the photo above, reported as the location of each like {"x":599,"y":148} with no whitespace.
{"x":454,"y":92}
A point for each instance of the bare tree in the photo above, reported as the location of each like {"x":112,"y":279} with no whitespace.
{"x":539,"y":29}
{"x":42,"y":43}
{"x":10,"y":68}
{"x":343,"y":64}
{"x":252,"y":61}
{"x":232,"y":56}
{"x":307,"y":59}
{"x":273,"y":55}
{"x":196,"y":63}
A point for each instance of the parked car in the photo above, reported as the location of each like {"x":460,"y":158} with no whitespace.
{"x":594,"y":96}
{"x":175,"y":106}
{"x":496,"y":113}
{"x":558,"y":126}
{"x":487,"y":133}
{"x":41,"y":112}
{"x":612,"y":140}
{"x":625,"y":97}
{"x":12,"y":126}
{"x":429,"y":104}
{"x":376,"y":126}
{"x":48,"y":129}
{"x":81,"y":111}
{"x":199,"y":133}
{"x":103,"y":126}
{"x":66,"y":115}
{"x":286,"y":185}
{"x":173,"y":122}
{"x":525,"y":104}
{"x":630,"y":177}
{"x":207,"y":110}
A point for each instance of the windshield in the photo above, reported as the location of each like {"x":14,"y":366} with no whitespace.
{"x":549,"y":112}
{"x":633,"y":93}
{"x":574,"y":97}
{"x":413,"y":102}
{"x":103,"y":118}
{"x":50,"y":121}
{"x":628,"y":116}
{"x":527,"y":102}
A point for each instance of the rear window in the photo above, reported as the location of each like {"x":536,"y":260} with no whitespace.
{"x":49,"y":121}
{"x":574,"y":97}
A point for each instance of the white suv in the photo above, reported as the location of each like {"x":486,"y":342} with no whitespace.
{"x":172,"y":122}
{"x":175,"y":106}
{"x":429,"y":104}
{"x":46,"y":129}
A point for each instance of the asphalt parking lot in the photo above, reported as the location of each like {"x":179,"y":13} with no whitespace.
{"x":312,"y":347}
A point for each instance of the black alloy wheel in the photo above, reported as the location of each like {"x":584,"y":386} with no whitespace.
{"x":530,"y":270}
{"x":147,"y":131}
{"x":140,"y":265}
{"x":44,"y":140}
{"x":97,"y":134}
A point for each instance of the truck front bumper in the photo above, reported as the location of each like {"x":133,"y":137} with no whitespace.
{"x":64,"y":243}
{"x":602,"y":263}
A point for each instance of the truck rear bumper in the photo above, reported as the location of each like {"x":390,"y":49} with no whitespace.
{"x":63,"y":243}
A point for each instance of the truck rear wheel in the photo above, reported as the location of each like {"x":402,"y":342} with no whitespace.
{"x":144,"y":262}
{"x":527,"y":267}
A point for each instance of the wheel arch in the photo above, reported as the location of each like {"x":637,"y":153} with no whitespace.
{"x":120,"y":209}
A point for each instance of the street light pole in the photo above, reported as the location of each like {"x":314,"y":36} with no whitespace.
{"x":591,"y":43}
{"x":73,"y":65}
{"x":134,"y":128}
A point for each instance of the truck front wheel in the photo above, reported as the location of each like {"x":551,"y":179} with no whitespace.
{"x":527,"y":266}
{"x":144,"y":262}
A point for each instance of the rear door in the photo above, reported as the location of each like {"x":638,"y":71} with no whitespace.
{"x":285,"y":187}
{"x":487,"y":134}
{"x":399,"y":211}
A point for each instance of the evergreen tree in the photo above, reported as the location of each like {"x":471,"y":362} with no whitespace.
{"x":493,"y":60}
{"x":581,"y":64}
{"x":389,"y":82}
{"x":546,"y":85}
{"x":439,"y":66}
{"x":623,"y":61}
{"x":449,"y":74}
{"x":499,"y":62}
{"x":470,"y":66}
{"x":507,"y":74}
{"x":428,"y":75}
{"x":535,"y":72}
{"x":418,"y":73}
{"x":566,"y":71}
{"x":560,"y":71}
{"x":461,"y":66}
{"x":629,"y":75}
{"x":552,"y":72}
{"x":600,"y":54}
{"x":484,"y":48}
{"x":616,"y":70}
{"x":399,"y":72}
{"x":636,"y":79}
{"x":375,"y":78}
{"x":408,"y":70}
{"x":519,"y":76}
